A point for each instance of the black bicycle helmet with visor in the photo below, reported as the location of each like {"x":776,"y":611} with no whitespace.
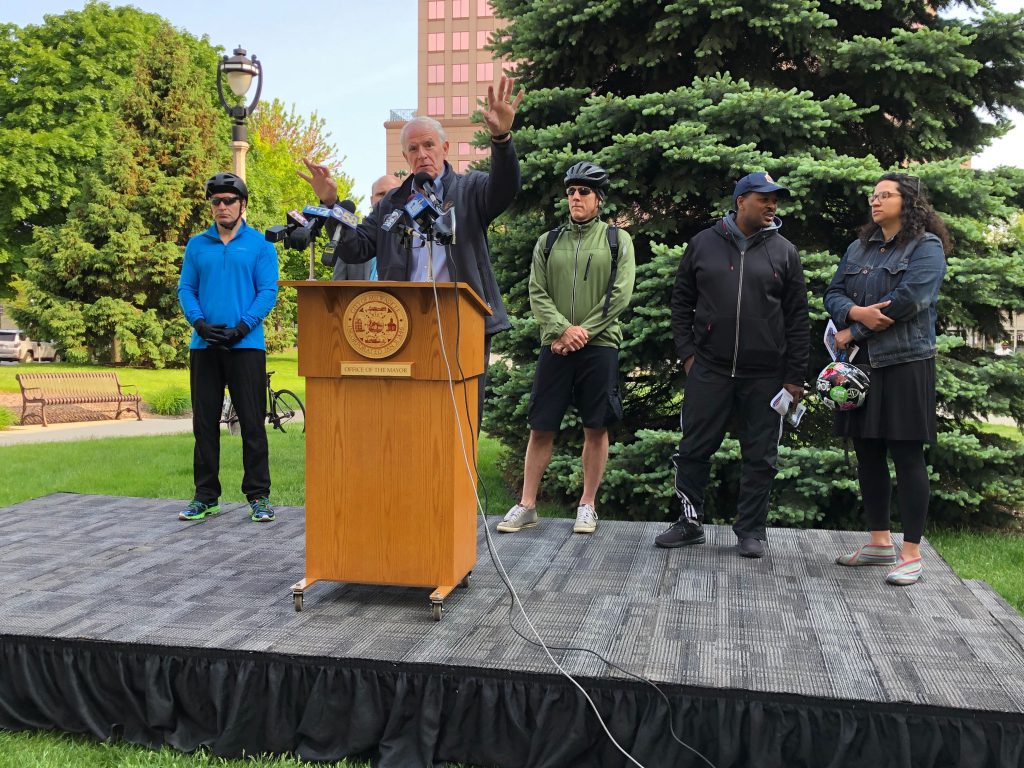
{"x":226,"y":183}
{"x":589,"y":175}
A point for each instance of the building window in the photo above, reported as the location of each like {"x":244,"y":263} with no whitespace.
{"x":483,"y":8}
{"x":435,"y":41}
{"x":485,"y":72}
{"x":483,"y":150}
{"x":460,"y":105}
{"x":460,"y":41}
{"x":435,"y":73}
{"x":435,"y":9}
{"x":464,"y":165}
{"x":460,"y":73}
{"x":460,"y":9}
{"x":435,"y":106}
{"x":463,"y":147}
{"x":483,"y":39}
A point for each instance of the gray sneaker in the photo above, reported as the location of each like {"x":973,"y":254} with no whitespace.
{"x":517,"y":518}
{"x":586,"y":519}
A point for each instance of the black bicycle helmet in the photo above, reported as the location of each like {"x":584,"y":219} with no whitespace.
{"x":226,"y":182}
{"x":588,"y":174}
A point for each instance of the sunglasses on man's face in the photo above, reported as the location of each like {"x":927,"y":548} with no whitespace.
{"x":215,"y":201}
{"x":582,"y":191}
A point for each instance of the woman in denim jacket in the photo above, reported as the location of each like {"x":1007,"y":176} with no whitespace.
{"x":883,"y":299}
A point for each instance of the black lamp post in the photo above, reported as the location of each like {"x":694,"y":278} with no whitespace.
{"x":239,"y":70}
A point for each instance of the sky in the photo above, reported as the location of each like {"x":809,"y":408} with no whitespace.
{"x":350,"y":62}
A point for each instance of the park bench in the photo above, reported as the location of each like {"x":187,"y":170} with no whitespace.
{"x":76,"y":388}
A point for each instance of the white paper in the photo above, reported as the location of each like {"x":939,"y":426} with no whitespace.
{"x":782,"y":401}
{"x":830,"y":344}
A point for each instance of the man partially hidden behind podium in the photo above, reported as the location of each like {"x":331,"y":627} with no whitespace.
{"x":478,"y":198}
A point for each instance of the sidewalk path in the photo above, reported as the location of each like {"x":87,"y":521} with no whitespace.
{"x":91,"y":430}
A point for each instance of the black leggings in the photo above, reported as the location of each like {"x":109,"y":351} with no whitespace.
{"x":876,"y":486}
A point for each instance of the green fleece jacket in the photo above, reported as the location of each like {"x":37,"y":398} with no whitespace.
{"x":568,"y":288}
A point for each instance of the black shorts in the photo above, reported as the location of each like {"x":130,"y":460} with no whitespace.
{"x":588,"y":378}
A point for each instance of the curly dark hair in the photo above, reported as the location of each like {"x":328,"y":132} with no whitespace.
{"x":916,"y":216}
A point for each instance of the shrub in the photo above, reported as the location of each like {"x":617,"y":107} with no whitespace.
{"x":6,"y":417}
{"x":173,"y":401}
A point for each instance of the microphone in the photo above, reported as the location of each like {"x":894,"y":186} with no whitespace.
{"x":342,"y":215}
{"x":426,"y":188}
{"x":298,"y":235}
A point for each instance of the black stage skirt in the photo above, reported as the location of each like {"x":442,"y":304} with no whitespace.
{"x":900,"y":405}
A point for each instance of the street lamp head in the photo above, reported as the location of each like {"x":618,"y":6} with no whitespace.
{"x":239,"y":70}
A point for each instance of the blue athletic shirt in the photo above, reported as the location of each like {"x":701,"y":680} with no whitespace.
{"x":229,"y":283}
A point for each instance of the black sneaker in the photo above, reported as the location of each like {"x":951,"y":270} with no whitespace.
{"x":751,"y":547}
{"x":682,"y":533}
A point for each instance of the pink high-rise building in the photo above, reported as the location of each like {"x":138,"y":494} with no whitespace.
{"x":454,"y":70}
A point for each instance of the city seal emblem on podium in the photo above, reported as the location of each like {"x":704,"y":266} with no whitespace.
{"x":376,"y":324}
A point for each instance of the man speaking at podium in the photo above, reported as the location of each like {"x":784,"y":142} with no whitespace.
{"x":476,"y":199}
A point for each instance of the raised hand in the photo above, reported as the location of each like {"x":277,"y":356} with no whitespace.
{"x":319,"y":178}
{"x":501,"y":108}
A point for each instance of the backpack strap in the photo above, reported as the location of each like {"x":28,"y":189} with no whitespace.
{"x":550,"y":243}
{"x":613,"y":246}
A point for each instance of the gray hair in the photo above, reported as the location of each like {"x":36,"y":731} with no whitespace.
{"x":425,"y":122}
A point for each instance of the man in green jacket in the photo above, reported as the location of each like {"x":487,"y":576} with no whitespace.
{"x":580,"y":283}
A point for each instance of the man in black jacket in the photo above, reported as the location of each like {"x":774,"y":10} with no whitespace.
{"x":477,"y":198}
{"x":741,"y":330}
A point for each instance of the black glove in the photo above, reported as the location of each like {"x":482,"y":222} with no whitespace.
{"x":215,"y":335}
{"x":234,"y":335}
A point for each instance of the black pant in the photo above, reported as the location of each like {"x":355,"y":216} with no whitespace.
{"x":244,"y":371}
{"x":876,"y":484}
{"x":710,"y":401}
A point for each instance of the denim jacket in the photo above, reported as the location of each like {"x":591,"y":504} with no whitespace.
{"x":907,"y":275}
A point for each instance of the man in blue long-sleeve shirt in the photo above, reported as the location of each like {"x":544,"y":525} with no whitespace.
{"x":228,"y":286}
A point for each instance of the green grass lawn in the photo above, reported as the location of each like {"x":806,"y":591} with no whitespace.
{"x":149,"y":381}
{"x":43,"y":749}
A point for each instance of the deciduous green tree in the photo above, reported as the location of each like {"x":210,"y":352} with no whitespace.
{"x":59,"y":85}
{"x":678,"y":100}
{"x":280,"y":139}
{"x":103,"y":283}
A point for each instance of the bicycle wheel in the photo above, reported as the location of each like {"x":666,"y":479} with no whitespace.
{"x":229,"y":417}
{"x":287,"y":407}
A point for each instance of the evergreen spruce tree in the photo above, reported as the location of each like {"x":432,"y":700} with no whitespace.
{"x":103,"y":283}
{"x":678,"y":100}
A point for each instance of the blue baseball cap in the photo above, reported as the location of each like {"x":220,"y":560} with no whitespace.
{"x":758,"y":182}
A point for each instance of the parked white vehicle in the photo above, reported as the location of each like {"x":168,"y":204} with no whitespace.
{"x":17,"y":346}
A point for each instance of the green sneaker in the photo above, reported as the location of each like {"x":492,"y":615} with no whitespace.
{"x":262,"y":512}
{"x":197,"y":510}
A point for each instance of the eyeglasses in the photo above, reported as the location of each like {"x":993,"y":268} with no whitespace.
{"x":215,"y":201}
{"x":883,"y":196}
{"x":581,"y":191}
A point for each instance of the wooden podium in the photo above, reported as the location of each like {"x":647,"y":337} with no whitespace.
{"x":389,"y":496}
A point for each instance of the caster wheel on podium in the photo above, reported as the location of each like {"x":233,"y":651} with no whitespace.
{"x":464,"y":584}
{"x":437,"y":609}
{"x":297,"y":598}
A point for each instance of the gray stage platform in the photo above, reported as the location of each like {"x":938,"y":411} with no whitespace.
{"x":124,"y":570}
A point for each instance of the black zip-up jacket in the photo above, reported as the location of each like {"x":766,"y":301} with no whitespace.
{"x":479,"y":198}
{"x":742,"y":313}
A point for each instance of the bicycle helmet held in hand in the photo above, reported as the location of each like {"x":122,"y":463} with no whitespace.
{"x":226,"y":183}
{"x":589,"y":175}
{"x":842,"y":386}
